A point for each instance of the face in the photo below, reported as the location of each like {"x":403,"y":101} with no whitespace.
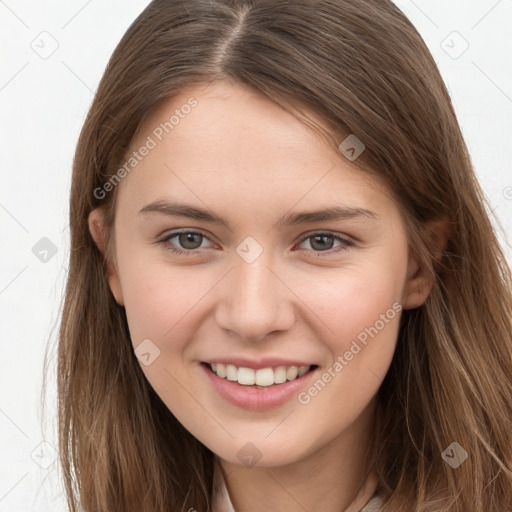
{"x":253,"y":281}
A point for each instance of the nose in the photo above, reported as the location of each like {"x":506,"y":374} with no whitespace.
{"x":256,"y":301}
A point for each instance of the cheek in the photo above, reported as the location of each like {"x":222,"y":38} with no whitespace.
{"x":355,"y":299}
{"x":158,"y":300}
{"x":362,"y":306}
{"x":365,"y":317}
{"x":162,"y":303}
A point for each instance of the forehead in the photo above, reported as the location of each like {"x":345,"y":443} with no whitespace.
{"x":226,"y":142}
{"x":230,"y":121}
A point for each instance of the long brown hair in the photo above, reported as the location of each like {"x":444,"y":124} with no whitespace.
{"x":363,"y":67}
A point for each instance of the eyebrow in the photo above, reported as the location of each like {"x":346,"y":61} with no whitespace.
{"x":175,"y":209}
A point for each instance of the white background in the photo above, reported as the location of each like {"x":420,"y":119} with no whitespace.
{"x":44,"y":102}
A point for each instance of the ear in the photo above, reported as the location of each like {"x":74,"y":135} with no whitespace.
{"x":419,"y":283}
{"x":96,"y":222}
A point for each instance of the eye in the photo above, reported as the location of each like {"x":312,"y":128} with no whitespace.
{"x":319,"y":242}
{"x":191,"y":242}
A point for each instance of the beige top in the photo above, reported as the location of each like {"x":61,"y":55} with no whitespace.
{"x":366,"y":501}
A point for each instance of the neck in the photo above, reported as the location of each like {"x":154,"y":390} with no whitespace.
{"x":335,"y":476}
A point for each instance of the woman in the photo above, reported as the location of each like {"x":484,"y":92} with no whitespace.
{"x":260,"y":370}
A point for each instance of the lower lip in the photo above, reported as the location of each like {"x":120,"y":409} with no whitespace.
{"x":257,"y":399}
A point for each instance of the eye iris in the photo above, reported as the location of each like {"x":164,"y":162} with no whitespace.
{"x":185,"y":238}
{"x":322,"y":245}
{"x":318,"y":242}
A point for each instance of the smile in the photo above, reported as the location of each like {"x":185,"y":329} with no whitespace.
{"x":279,"y":384}
{"x":261,"y":377}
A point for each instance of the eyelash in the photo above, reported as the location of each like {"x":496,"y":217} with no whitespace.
{"x":165,"y":242}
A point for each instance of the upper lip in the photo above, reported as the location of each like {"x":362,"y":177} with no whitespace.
{"x":267,"y":362}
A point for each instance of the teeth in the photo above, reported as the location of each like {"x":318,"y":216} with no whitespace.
{"x":302,"y":370}
{"x":292,"y":372}
{"x":264,"y":377}
{"x":280,"y":375}
{"x":261,"y":377}
{"x":246,"y":376}
{"x":231,"y":372}
{"x":221,"y":370}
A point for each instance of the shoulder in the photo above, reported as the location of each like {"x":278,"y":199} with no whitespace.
{"x":377,"y":502}
{"x":374,"y":505}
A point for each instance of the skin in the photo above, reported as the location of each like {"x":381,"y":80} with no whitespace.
{"x":247,"y":159}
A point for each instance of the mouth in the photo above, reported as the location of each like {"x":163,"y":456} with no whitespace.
{"x":259,"y":378}
{"x":259,"y":389}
